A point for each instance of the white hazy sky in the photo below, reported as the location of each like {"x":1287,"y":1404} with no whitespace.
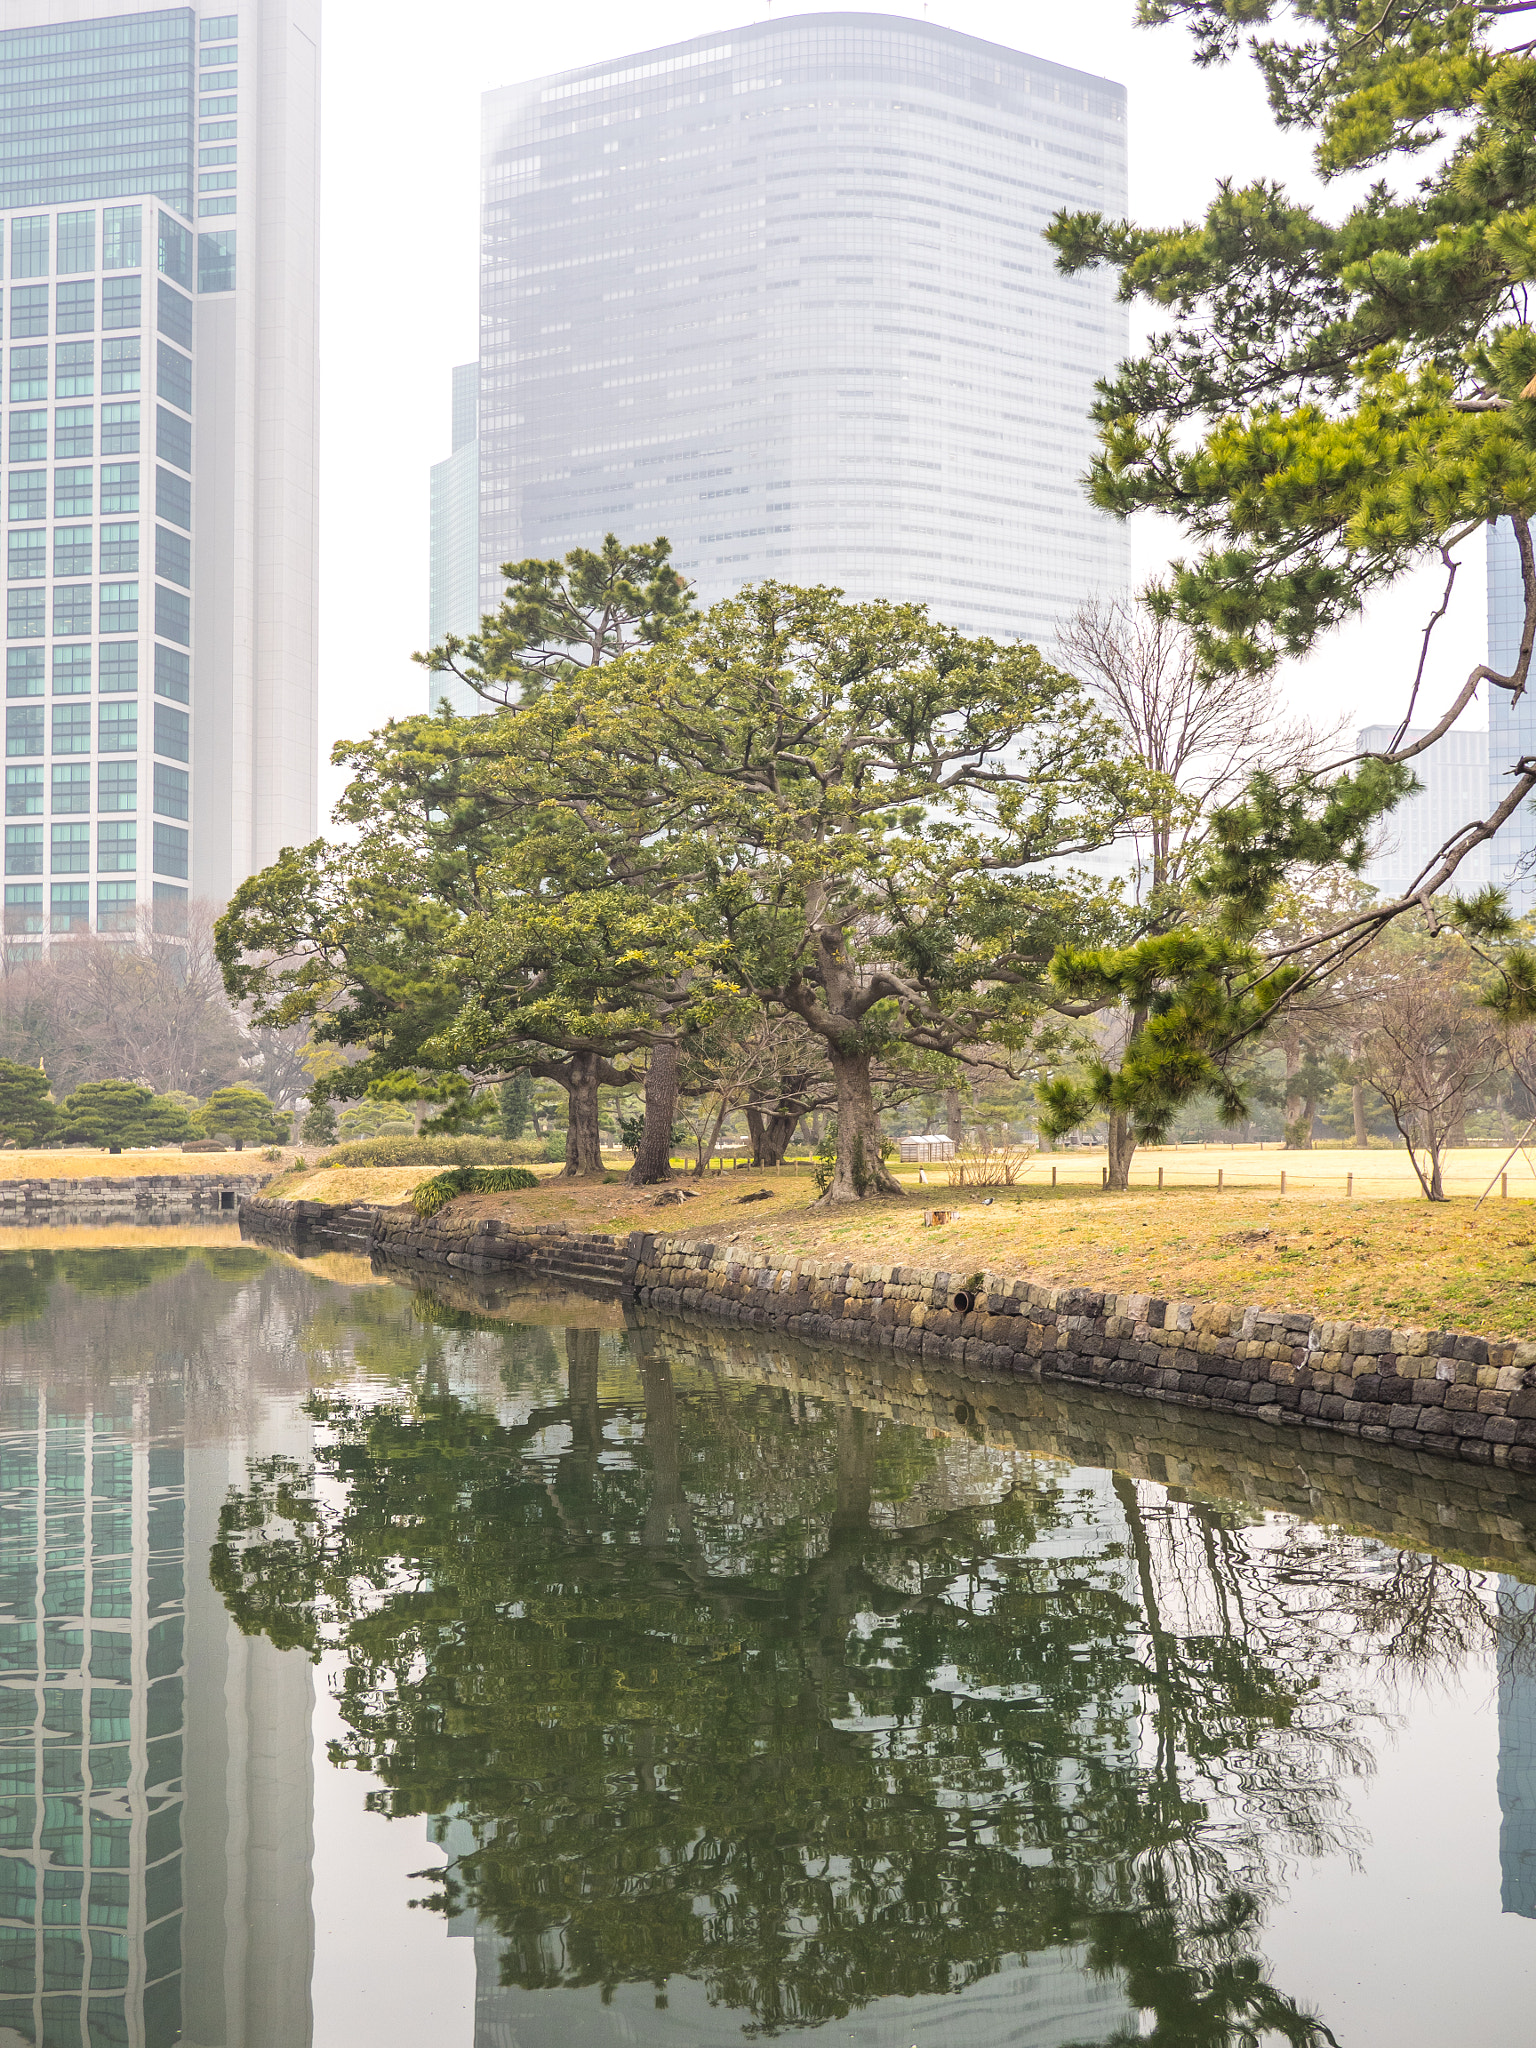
{"x":400,"y":196}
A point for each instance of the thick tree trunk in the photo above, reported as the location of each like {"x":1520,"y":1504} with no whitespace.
{"x":952,"y":1124}
{"x":772,"y":1134}
{"x":859,"y":1170}
{"x":583,"y":1137}
{"x":756,"y":1130}
{"x":1357,"y":1110}
{"x":653,"y":1155}
{"x":1122,"y":1148}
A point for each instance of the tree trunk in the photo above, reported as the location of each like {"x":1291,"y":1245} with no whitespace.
{"x":653,"y":1155}
{"x":952,"y":1122}
{"x":778,"y":1135}
{"x":757,"y":1131}
{"x":583,"y":1137}
{"x":859,"y":1170}
{"x":581,"y":1359}
{"x":1122,"y":1147}
{"x":1357,"y":1109}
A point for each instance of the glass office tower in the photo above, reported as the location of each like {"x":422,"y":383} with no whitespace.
{"x":781,"y":294}
{"x":455,"y":582}
{"x":1511,"y":725}
{"x":1454,"y":778}
{"x":158,"y":218}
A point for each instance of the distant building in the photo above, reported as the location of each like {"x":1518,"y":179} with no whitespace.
{"x":925,"y":1148}
{"x":780,"y":293}
{"x":1454,"y":772}
{"x":1511,"y":726}
{"x":454,"y":598}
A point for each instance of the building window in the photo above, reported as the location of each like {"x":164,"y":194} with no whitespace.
{"x":217,"y":181}
{"x":173,"y":675}
{"x":119,"y":665}
{"x":171,"y":788}
{"x":170,"y":856}
{"x":216,"y":258}
{"x":116,"y":841}
{"x":24,"y":730}
{"x":74,"y":432}
{"x":71,"y":610}
{"x":71,"y":912}
{"x":217,"y":131}
{"x":120,"y":429}
{"x":24,"y":672}
{"x":121,"y":238}
{"x":77,"y":308}
{"x":77,"y":243}
{"x":117,"y":786}
{"x":72,"y":671}
{"x":173,"y":438}
{"x":207,"y":109}
{"x":173,"y":556}
{"x":205,"y":207}
{"x":24,"y":793}
{"x":218,"y":28}
{"x":29,"y":494}
{"x":120,"y":487}
{"x":118,"y":729}
{"x":26,"y":554}
{"x":72,"y":493}
{"x":120,"y":550}
{"x":29,"y":373}
{"x":29,"y":247}
{"x":74,"y":374}
{"x":116,"y":911}
{"x":173,"y":616}
{"x":170,"y":909}
{"x":71,"y":850}
{"x":171,"y":733}
{"x":24,"y":908}
{"x":29,"y":310}
{"x":29,"y":437}
{"x":26,"y":615}
{"x":173,"y":499}
{"x":175,"y":257}
{"x":217,"y":156}
{"x":119,"y":607}
{"x":72,"y":728}
{"x":173,"y":316}
{"x":120,"y":365}
{"x":23,"y":849}
{"x":120,"y":302}
{"x":173,"y":378}
{"x":71,"y":788}
{"x":72,"y":551}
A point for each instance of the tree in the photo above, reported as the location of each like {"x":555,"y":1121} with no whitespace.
{"x":556,"y":616}
{"x":118,"y":1113}
{"x":516,"y":1105}
{"x":319,"y":1125}
{"x":871,"y":810}
{"x":242,"y":1114}
{"x":1434,"y":1046}
{"x":1330,"y":404}
{"x":27,"y":1113}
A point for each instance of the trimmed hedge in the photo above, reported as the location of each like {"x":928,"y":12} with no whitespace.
{"x":436,"y":1193}
{"x":429,"y":1151}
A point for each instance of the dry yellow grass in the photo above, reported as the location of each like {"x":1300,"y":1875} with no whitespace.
{"x":384,"y":1184}
{"x":85,"y":1162}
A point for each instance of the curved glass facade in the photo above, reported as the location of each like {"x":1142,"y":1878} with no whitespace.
{"x":782,"y":296}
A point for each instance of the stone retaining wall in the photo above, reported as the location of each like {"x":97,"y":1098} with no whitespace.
{"x":95,"y":1192}
{"x":1446,"y":1393}
{"x":1440,"y":1391}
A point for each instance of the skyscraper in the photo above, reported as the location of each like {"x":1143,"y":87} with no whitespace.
{"x":455,"y":586}
{"x":780,"y":294}
{"x":1454,"y":775}
{"x":159,"y":213}
{"x":1511,"y":725}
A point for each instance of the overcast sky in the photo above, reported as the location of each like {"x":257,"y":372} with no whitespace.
{"x":399,"y":197}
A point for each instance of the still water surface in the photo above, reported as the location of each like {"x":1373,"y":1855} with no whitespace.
{"x":375,"y":1669}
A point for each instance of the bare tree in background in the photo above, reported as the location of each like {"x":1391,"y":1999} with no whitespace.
{"x":1434,"y":1048}
{"x":1206,"y":738}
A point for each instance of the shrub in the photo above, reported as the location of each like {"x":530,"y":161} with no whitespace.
{"x":319,"y":1125}
{"x":429,"y":1151}
{"x":554,"y":1146}
{"x":433,"y":1194}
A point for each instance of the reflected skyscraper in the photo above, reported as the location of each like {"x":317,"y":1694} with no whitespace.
{"x":1517,"y":1748}
{"x":781,"y":294}
{"x":155,"y":1830}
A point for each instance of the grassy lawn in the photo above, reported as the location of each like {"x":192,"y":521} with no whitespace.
{"x":85,"y":1162}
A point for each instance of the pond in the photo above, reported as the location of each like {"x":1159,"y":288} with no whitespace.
{"x":384,"y":1669}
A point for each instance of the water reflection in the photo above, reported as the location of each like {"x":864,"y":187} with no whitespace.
{"x":740,"y":1705}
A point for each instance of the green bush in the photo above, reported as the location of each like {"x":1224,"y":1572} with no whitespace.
{"x":433,"y":1194}
{"x":439,"y":1151}
{"x":554,"y":1146}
